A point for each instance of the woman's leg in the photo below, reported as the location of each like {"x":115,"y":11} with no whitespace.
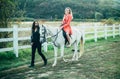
{"x":39,"y":47}
{"x":68,"y":37}
{"x":33,"y":54}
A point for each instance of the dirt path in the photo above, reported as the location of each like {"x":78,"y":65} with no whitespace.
{"x":100,"y":61}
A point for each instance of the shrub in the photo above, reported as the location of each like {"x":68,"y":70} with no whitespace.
{"x":109,"y":21}
{"x":7,"y":55}
{"x":98,"y":16}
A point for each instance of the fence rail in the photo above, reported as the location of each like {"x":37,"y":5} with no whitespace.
{"x":105,"y":31}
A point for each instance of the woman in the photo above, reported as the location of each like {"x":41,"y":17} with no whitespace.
{"x":66,"y":24}
{"x":35,"y":43}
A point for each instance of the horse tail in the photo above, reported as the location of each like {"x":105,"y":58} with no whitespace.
{"x":81,"y":46}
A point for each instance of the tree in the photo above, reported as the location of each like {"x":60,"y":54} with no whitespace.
{"x":7,"y":10}
{"x":21,"y":8}
{"x":98,"y":16}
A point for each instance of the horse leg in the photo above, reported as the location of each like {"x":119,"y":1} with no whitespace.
{"x":81,"y":46}
{"x":76,"y":51}
{"x":55,"y":56}
{"x":75,"y":54}
{"x":62,"y":53}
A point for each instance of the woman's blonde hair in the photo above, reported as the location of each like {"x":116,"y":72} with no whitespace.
{"x":70,"y":11}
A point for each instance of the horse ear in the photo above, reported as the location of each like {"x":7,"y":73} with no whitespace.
{"x":43,"y":25}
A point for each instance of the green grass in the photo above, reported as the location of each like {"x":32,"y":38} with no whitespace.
{"x":8,"y":59}
{"x":99,"y":61}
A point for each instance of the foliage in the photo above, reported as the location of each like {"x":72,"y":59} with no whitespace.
{"x":82,"y":9}
{"x":99,"y":60}
{"x":7,"y":10}
{"x":98,"y":16}
{"x":54,"y":9}
{"x":23,"y":19}
{"x":110,"y":21}
{"x":7,"y":56}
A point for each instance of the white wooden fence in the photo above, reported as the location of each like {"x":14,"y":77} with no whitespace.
{"x":113,"y":29}
{"x":105,"y":30}
{"x":15,"y":39}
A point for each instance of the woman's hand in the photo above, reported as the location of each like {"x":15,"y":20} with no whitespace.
{"x":60,"y":27}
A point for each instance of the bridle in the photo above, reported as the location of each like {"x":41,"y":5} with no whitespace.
{"x":42,"y":32}
{"x":53,"y":36}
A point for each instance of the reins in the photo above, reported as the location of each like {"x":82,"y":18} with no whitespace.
{"x":56,"y":36}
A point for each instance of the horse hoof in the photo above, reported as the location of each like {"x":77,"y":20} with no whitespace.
{"x":76,"y":59}
{"x":65,"y":60}
{"x":73,"y":60}
{"x":53,"y":65}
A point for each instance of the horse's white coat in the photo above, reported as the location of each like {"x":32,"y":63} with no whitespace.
{"x":76,"y":38}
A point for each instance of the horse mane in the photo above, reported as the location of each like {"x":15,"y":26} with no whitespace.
{"x":52,"y":29}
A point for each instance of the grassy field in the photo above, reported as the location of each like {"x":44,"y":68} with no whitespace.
{"x":99,"y":61}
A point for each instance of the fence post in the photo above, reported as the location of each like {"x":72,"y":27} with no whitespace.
{"x":15,"y":40}
{"x":113,"y":28}
{"x":95,"y":32}
{"x":105,"y":31}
